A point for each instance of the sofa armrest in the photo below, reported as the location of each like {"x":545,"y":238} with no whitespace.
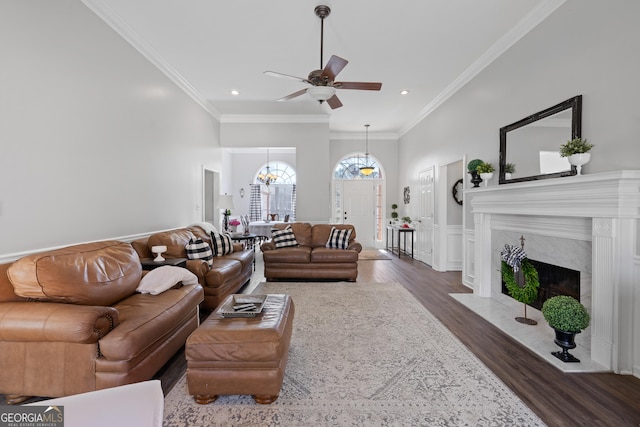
{"x":355,"y":246}
{"x":55,"y":322}
{"x":199,"y":267}
{"x":267,"y":246}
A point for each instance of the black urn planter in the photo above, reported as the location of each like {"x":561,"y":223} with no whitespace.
{"x":475,"y":178}
{"x":566,"y":340}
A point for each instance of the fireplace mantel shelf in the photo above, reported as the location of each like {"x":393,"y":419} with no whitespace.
{"x":609,"y":194}
{"x":603,"y":209}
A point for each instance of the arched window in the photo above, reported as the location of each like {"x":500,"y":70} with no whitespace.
{"x":274,"y":192}
{"x":349,"y":168}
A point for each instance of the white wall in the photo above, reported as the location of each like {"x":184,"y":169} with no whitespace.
{"x":311,"y":141}
{"x":585,"y":47}
{"x":96,"y":142}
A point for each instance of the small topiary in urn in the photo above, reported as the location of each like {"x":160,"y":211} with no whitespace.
{"x":568,"y":317}
{"x":475,"y":176}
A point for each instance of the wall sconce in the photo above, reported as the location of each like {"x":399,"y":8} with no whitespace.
{"x":242,"y":192}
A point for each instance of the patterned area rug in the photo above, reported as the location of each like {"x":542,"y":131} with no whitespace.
{"x":365,"y":354}
{"x":373,"y":254}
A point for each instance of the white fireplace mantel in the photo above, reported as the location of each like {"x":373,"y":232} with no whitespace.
{"x":608,"y":202}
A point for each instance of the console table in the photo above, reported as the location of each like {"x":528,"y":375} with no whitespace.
{"x":399,"y":231}
{"x":150,"y":264}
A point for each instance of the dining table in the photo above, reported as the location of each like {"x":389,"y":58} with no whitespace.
{"x":262,"y":228}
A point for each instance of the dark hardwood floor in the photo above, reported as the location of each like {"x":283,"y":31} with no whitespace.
{"x":559,"y":399}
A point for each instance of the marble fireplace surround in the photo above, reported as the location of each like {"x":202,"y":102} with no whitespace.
{"x":587,"y":223}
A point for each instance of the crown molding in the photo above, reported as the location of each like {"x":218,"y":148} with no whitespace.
{"x":533,"y":18}
{"x":102,"y":9}
{"x":274,"y":118}
{"x":359,"y":136}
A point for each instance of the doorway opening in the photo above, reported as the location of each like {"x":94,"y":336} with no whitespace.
{"x":359,"y":199}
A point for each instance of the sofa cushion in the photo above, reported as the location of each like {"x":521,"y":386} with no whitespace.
{"x":199,"y":249}
{"x":221,"y":244}
{"x":330,"y":255}
{"x":338,"y":239}
{"x":300,"y":254}
{"x":99,"y":273}
{"x":164,"y":278}
{"x":320,"y":233}
{"x":302,"y":231}
{"x":284,"y":238}
{"x":174,"y":240}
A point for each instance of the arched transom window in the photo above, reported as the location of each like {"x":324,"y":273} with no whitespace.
{"x":349,"y":168}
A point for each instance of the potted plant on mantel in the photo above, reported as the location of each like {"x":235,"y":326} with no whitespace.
{"x":568,"y":317}
{"x":577,"y":152}
{"x":486,"y":171}
{"x":471,"y":168}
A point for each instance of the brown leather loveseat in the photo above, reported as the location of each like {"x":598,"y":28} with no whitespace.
{"x":310,"y":259}
{"x":71,"y":321}
{"x":225,"y":276}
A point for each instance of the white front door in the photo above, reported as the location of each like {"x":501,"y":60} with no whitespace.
{"x":425,"y":223}
{"x":358,"y":209}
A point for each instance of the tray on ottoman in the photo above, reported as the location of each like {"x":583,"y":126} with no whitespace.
{"x":243,"y":305}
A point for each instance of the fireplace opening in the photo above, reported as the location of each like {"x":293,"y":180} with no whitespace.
{"x":554,"y":280}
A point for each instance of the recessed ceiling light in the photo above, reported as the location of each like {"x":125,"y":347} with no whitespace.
{"x":404,"y":92}
{"x":235,"y":92}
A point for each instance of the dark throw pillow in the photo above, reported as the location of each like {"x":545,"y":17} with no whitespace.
{"x":339,"y":239}
{"x":199,"y":249}
{"x":222,"y":244}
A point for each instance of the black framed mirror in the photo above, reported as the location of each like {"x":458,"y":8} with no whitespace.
{"x":530,"y":148}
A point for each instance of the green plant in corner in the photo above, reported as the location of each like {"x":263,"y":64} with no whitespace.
{"x":565,"y":313}
{"x":575,"y":146}
{"x":485,"y":168}
{"x":510,"y":168}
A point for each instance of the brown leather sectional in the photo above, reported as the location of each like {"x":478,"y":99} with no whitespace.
{"x":311,"y":260}
{"x":71,"y":321}
{"x":225,"y":277}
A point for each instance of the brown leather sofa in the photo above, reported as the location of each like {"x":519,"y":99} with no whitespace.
{"x":225,"y":277}
{"x":71,"y":321}
{"x":311,"y":260}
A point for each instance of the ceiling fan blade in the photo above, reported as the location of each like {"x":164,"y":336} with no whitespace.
{"x":293,"y":95}
{"x":334,"y":102}
{"x":285,"y":76}
{"x":333,"y":67}
{"x":358,"y":85}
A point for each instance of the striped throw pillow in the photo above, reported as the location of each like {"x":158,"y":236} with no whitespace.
{"x":284,"y":238}
{"x":222,"y":244}
{"x":199,"y":249}
{"x":339,"y":239}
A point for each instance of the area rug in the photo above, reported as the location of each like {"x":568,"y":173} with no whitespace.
{"x":365,"y":355}
{"x":373,"y":254}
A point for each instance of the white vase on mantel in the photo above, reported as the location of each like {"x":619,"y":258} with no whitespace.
{"x":578,"y":160}
{"x":486,"y":177}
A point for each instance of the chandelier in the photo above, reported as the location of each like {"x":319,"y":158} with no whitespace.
{"x":266,"y":177}
{"x":366,"y":170}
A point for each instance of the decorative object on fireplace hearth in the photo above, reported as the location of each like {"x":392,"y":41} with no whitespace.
{"x":568,"y":317}
{"x":475,"y":176}
{"x":520,"y":278}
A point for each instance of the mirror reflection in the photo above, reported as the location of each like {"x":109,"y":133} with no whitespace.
{"x":529,"y":148}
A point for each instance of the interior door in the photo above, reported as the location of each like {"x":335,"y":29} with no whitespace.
{"x":425,"y":223}
{"x":358,"y":203}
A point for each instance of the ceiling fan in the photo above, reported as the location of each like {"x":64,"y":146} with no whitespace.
{"x":323,"y":84}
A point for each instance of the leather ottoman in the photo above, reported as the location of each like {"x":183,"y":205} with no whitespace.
{"x":241,"y":355}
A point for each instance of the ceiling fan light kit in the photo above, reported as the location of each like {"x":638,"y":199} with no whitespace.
{"x":321,"y":93}
{"x":323,"y":84}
